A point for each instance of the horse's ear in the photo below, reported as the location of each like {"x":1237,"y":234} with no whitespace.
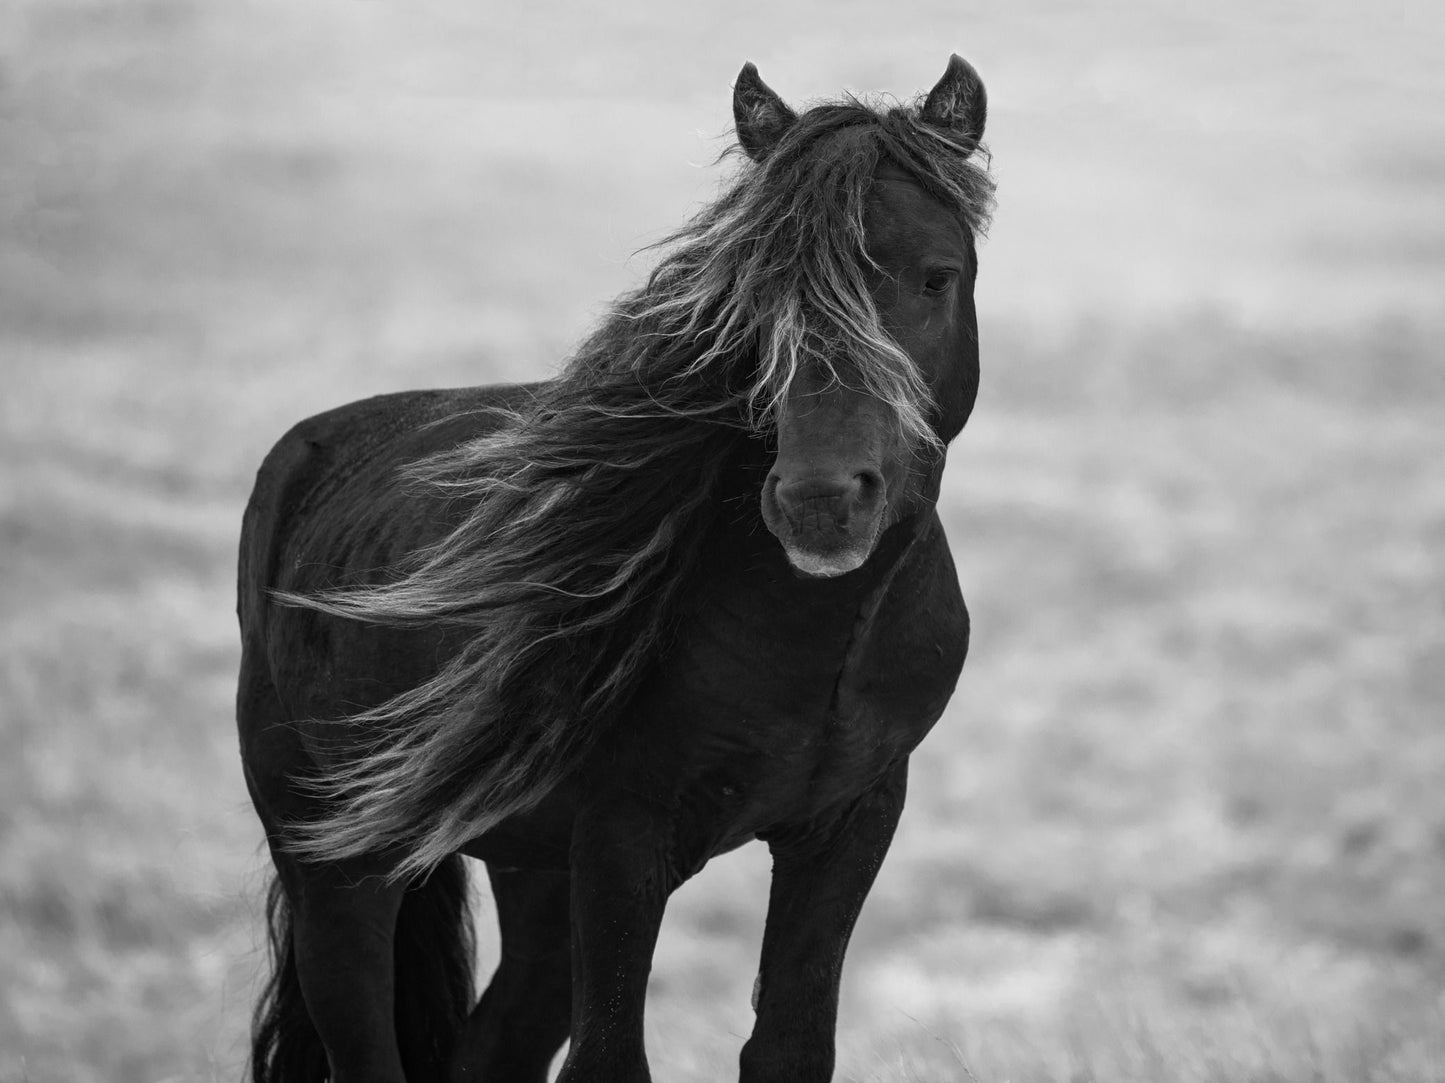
{"x":959,"y":102}
{"x":760,"y":115}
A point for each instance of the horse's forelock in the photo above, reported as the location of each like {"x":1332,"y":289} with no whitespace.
{"x":793,"y":251}
{"x":774,"y":273}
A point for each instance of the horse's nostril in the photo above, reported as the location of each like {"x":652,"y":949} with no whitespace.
{"x":864,"y":489}
{"x":815,"y":491}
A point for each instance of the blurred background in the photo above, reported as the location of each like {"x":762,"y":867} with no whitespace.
{"x":1185,"y":818}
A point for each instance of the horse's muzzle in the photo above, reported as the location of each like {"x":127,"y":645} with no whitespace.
{"x":827,"y":524}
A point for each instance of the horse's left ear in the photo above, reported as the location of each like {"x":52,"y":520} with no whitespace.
{"x":959,"y":102}
{"x":760,"y":115}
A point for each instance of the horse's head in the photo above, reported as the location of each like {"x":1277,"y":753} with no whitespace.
{"x":888,"y":366}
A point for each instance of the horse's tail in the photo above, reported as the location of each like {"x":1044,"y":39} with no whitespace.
{"x":285,"y":1047}
{"x":433,"y":950}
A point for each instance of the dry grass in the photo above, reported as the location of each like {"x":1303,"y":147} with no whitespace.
{"x":1184,"y":821}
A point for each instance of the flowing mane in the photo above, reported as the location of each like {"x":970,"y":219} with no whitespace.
{"x":585,"y":509}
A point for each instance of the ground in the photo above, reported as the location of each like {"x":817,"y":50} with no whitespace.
{"x":1183,"y":820}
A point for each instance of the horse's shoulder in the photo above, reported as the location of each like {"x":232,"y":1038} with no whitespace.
{"x":927,"y":585}
{"x":919,"y":634}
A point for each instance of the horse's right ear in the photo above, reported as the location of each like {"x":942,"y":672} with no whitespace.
{"x":760,"y":115}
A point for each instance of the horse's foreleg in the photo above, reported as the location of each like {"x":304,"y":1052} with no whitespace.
{"x":344,"y":926}
{"x":524,"y":1016}
{"x":621,"y":879}
{"x":821,"y":875}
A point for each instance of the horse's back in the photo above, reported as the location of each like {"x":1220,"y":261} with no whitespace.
{"x":336,"y":469}
{"x":331,"y":506}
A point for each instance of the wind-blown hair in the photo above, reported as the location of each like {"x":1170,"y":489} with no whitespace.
{"x":586,"y":509}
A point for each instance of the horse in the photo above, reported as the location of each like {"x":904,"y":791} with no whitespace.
{"x":595,"y":630}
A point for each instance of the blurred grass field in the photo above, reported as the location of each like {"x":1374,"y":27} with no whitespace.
{"x":1185,"y":819}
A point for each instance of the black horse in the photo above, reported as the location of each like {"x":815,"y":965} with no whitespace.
{"x":596,"y":630}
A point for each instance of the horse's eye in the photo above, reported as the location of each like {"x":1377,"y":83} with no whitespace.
{"x":938,"y":281}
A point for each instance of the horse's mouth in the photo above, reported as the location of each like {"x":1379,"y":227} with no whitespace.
{"x":838,"y":554}
{"x":824,"y":566}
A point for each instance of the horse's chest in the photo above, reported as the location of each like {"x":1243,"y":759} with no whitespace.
{"x":767,"y":716}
